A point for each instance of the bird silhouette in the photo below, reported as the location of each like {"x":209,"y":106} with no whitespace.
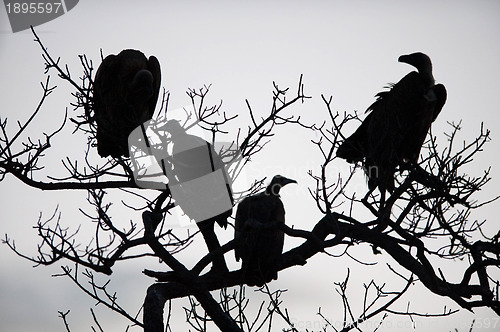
{"x":398,"y":121}
{"x":256,"y":227}
{"x":125,"y":92}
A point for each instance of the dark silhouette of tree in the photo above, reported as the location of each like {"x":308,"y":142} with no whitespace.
{"x":423,"y":221}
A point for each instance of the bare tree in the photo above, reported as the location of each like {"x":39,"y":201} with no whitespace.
{"x":426,"y":219}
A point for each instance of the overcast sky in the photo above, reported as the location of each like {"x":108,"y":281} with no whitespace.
{"x":348,"y":49}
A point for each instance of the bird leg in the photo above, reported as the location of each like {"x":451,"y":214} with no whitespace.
{"x":364,"y":200}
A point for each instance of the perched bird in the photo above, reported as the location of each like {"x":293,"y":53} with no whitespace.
{"x":126,"y":88}
{"x":199,"y":184}
{"x":398,"y":121}
{"x":261,"y":241}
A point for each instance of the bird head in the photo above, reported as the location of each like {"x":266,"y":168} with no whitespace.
{"x":423,"y":64}
{"x":418,"y":60}
{"x":277,"y":183}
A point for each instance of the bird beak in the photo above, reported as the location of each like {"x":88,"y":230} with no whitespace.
{"x":287,"y":181}
{"x":403,"y":58}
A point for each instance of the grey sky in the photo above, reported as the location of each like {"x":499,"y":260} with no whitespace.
{"x":347,"y":49}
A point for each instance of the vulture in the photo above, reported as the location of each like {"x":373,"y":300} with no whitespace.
{"x":126,"y":88}
{"x":261,"y":243}
{"x":398,"y":121}
{"x":193,"y":160}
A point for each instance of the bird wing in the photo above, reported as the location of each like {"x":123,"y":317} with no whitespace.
{"x":256,"y":208}
{"x":277,"y":236}
{"x":401,"y":125}
{"x":103,"y":85}
{"x":106,"y":94}
{"x":441,"y":96}
{"x":381,"y":137}
{"x":376,"y":130}
{"x":242,"y":213}
{"x":153,"y":66}
{"x":353,"y":149}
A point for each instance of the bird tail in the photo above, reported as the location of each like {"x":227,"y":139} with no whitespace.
{"x":258,"y":275}
{"x":379,"y":175}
